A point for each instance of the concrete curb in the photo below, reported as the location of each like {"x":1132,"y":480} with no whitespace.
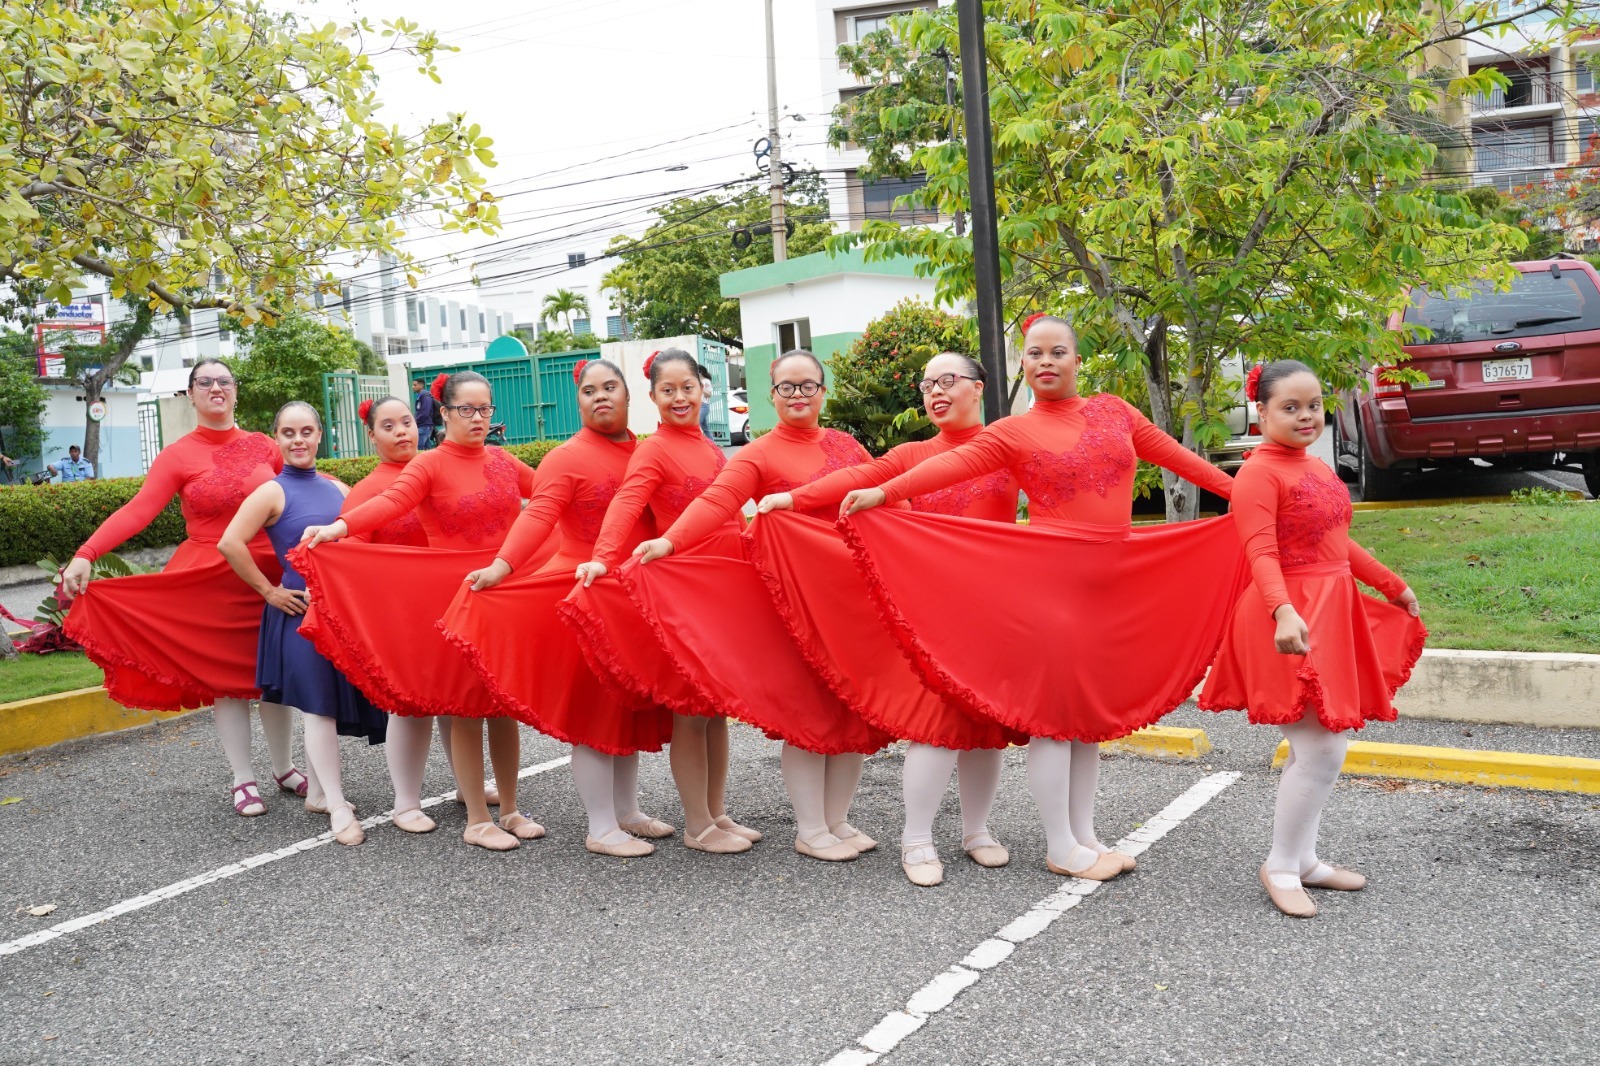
{"x":37,"y":723}
{"x":1503,"y":769}
{"x":28,"y":574}
{"x":1451,"y":501}
{"x":1511,"y":687}
{"x":1163,"y":742}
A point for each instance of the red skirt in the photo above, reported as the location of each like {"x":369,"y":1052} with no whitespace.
{"x":1362,"y":651}
{"x":824,"y":602}
{"x":178,"y":639}
{"x":514,"y":640}
{"x":713,"y":615}
{"x":1055,"y":629}
{"x":373,"y":609}
{"x":620,"y":645}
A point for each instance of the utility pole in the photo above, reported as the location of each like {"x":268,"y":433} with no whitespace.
{"x":980,"y":177}
{"x":950,"y":103}
{"x":780,"y":238}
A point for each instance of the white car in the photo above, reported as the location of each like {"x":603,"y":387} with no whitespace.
{"x":738,"y":416}
{"x":1243,"y":432}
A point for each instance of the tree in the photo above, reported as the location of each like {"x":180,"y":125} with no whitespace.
{"x":872,"y":388}
{"x":1193,"y":179}
{"x":285,"y":361}
{"x":668,"y":282}
{"x":563,"y":304}
{"x":1547,"y":211}
{"x":560,"y":340}
{"x":22,"y":398}
{"x":212,"y":156}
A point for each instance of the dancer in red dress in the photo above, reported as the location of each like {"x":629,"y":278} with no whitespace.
{"x":747,"y":659}
{"x":669,"y":469}
{"x":531,"y":661}
{"x":186,"y":637}
{"x":1307,"y":652}
{"x":376,"y":604}
{"x":1089,"y":577}
{"x":821,"y":594}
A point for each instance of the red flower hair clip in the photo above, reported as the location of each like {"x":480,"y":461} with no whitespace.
{"x":1252,"y":383}
{"x":364,"y":410}
{"x":650,"y":362}
{"x":1028,"y":322}
{"x":437,"y":388}
{"x":577,"y":371}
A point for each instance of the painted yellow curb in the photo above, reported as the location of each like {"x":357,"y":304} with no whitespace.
{"x":1504,"y":769}
{"x":45,"y":720}
{"x":1454,"y":501}
{"x":1163,"y":742}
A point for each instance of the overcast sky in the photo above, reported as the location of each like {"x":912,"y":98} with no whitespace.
{"x":581,"y":94}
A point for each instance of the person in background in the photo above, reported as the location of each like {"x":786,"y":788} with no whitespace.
{"x":708,"y":394}
{"x":426,"y":408}
{"x":73,"y":468}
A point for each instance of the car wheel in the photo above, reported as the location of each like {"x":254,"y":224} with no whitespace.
{"x":737,"y":437}
{"x":1342,"y":462}
{"x":1591,"y":474}
{"x":1374,"y":482}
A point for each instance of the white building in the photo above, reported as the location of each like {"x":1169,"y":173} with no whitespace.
{"x":522,"y":280}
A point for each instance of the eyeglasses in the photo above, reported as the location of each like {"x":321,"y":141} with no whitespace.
{"x":206,"y":383}
{"x":466,"y":410}
{"x":944,"y":381}
{"x":787,"y":389}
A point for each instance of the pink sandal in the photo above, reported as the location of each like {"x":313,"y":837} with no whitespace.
{"x":298,"y":789}
{"x":248,"y":795}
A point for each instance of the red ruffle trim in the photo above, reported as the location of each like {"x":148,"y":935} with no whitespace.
{"x":601,"y":655}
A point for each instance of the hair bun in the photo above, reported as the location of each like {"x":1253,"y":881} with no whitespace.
{"x":650,"y":362}
{"x":437,"y":388}
{"x":364,"y":409}
{"x":577,"y":371}
{"x":1252,"y":382}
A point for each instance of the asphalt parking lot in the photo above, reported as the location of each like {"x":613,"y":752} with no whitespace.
{"x":185,"y":934}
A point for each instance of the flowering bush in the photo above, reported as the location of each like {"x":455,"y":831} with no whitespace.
{"x":872,"y":394}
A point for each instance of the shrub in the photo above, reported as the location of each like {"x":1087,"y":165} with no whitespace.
{"x":39,"y":520}
{"x":873,"y":392}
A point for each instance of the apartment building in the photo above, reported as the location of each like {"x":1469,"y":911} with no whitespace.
{"x":524,"y":280}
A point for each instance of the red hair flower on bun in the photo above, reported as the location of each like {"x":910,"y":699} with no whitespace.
{"x":650,"y":362}
{"x":364,"y":410}
{"x":577,"y":371}
{"x":1028,"y":322}
{"x":1252,"y":383}
{"x":437,"y":388}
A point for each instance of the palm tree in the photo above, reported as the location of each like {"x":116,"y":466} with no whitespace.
{"x":564,"y":303}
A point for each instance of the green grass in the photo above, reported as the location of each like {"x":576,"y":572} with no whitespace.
{"x":43,"y":675}
{"x":1517,"y":576}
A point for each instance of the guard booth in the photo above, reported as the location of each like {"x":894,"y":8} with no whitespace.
{"x":534,"y":395}
{"x":342,"y":393}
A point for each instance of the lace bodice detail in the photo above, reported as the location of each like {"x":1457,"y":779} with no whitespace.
{"x":1315,"y":507}
{"x":960,"y":499}
{"x":839,"y":450}
{"x":483,"y":517}
{"x":233,"y":476}
{"x":1098,"y":462}
{"x":672,"y":499}
{"x":407,"y":529}
{"x":589,"y":510}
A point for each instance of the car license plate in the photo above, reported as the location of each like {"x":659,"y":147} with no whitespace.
{"x":1507,"y":370}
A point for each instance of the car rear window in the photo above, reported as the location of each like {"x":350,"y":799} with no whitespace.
{"x":1537,"y":305}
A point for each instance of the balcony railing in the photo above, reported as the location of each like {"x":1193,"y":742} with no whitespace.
{"x":1525,"y":90}
{"x":1511,"y":155}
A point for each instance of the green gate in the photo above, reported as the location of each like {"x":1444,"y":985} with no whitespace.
{"x":714,"y":357}
{"x":534,"y":395}
{"x":558,"y":413}
{"x":345,"y":435}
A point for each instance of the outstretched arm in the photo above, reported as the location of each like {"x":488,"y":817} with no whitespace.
{"x":1156,"y":446}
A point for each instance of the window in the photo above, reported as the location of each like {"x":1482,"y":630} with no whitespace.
{"x":1583,"y":76}
{"x":878,"y":200}
{"x":1538,"y":305}
{"x":850,"y":26}
{"x":344,"y":295}
{"x":147,"y":362}
{"x":576,"y":260}
{"x":580,"y":325}
{"x":482,"y":326}
{"x":422,"y":313}
{"x":388,"y":313}
{"x":411,"y":314}
{"x":1586,"y":132}
{"x":792,"y":335}
{"x":865,"y":24}
{"x":617,"y":328}
{"x":1508,"y":147}
{"x":463,"y":320}
{"x":544,"y":327}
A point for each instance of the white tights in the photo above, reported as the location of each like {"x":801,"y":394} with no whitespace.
{"x":1315,"y":757}
{"x":821,"y":789}
{"x":326,"y":782}
{"x":927,"y":777}
{"x":406,"y":747}
{"x":233,"y":729}
{"x":1063,"y":776}
{"x":608,"y":785}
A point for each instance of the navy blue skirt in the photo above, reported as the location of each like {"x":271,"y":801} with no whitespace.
{"x":290,"y":671}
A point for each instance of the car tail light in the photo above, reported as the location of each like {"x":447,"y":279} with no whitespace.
{"x":1383,"y":386}
{"x":739,"y":409}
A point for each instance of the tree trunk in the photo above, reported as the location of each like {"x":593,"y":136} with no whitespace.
{"x":93,"y":389}
{"x":114,"y":355}
{"x":1182,"y":498}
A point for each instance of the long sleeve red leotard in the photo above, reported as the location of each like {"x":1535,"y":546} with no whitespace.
{"x":465,"y":498}
{"x":779,"y":461}
{"x":1292,"y":515}
{"x":991,"y":496}
{"x":667,"y":472}
{"x":406,"y":530}
{"x":575,"y":485}
{"x":211,"y":471}
{"x":1075,"y":458}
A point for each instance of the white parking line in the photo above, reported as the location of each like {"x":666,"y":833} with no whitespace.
{"x":222,"y":873}
{"x":940,"y":992}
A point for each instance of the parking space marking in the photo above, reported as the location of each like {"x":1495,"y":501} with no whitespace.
{"x":942,"y":991}
{"x":222,"y":873}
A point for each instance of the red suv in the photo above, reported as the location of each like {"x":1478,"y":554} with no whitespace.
{"x":1513,"y":379}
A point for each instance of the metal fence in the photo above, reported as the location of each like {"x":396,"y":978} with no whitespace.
{"x":150,"y":442}
{"x":345,"y":434}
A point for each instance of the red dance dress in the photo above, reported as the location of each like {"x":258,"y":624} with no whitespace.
{"x":824,"y":600}
{"x":668,"y":469}
{"x":375,"y":604}
{"x":512,"y":634}
{"x":186,"y":636}
{"x":712,"y":611}
{"x":1293,"y":515}
{"x":1075,"y":627}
